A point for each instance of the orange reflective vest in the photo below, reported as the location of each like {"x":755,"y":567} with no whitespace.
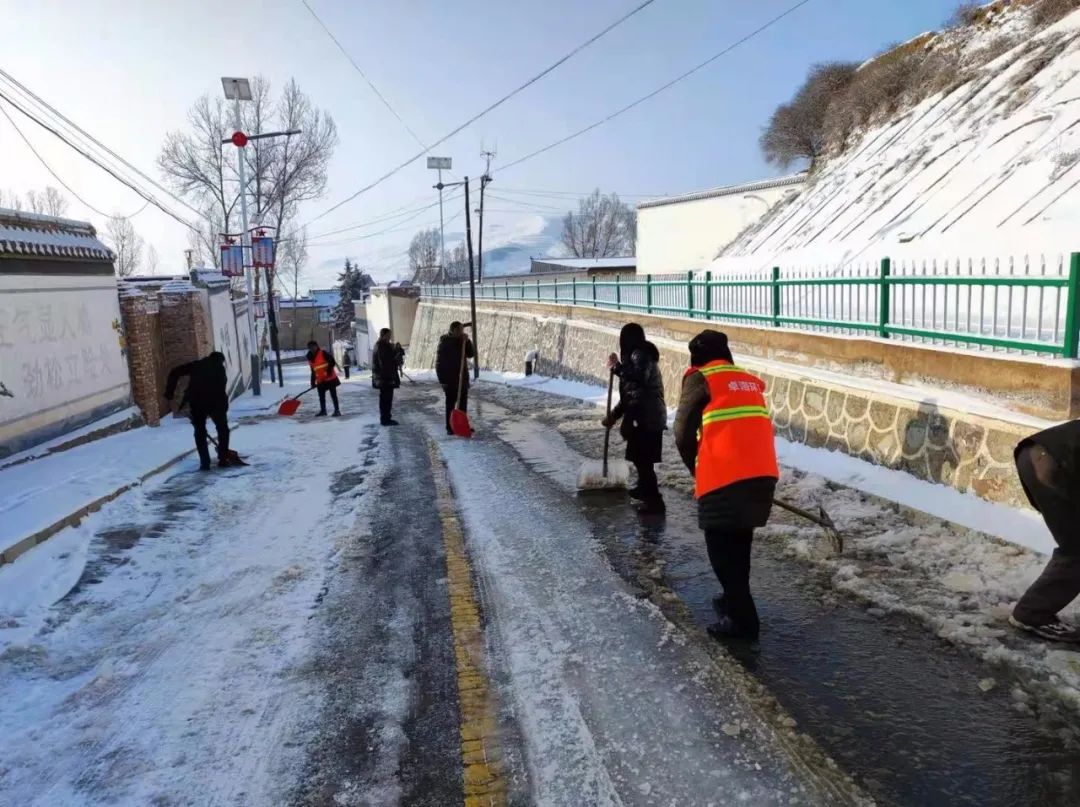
{"x":320,"y":365}
{"x":735,"y":441}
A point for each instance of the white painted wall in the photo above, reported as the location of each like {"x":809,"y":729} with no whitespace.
{"x":686,"y":235}
{"x":399,"y":320}
{"x":60,"y":355}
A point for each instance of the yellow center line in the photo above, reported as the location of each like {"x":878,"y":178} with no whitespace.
{"x":481,"y":755}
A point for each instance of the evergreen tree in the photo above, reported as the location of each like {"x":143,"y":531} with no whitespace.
{"x":354,"y":284}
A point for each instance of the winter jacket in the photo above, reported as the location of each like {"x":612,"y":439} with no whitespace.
{"x":641,"y":392}
{"x":386,"y":362}
{"x":448,"y":360}
{"x":743,"y":504}
{"x":331,"y":366}
{"x":207,"y":381}
{"x":1062,"y":443}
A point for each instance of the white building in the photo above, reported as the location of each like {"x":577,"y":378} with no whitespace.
{"x":683,"y":233}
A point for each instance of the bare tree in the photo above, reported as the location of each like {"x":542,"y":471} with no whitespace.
{"x":282,"y":172}
{"x":603,"y":227}
{"x":457,"y":264}
{"x":291,"y":260}
{"x":126,"y":243}
{"x":49,"y":202}
{"x":10,"y":200}
{"x":797,"y":130}
{"x":152,"y":260}
{"x":424,"y":256}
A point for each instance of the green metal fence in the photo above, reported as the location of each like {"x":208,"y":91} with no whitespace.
{"x":1019,"y":306}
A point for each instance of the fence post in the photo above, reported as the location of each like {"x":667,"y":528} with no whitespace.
{"x":594,"y":305}
{"x":618,"y":292}
{"x":537,"y":289}
{"x":573,"y":291}
{"x":885,"y":297}
{"x":648,"y":294}
{"x":708,"y":294}
{"x":1072,"y":300}
{"x":690,"y":294}
{"x":776,"y":296}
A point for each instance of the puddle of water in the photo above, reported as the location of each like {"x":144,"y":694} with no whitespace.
{"x":896,"y":707}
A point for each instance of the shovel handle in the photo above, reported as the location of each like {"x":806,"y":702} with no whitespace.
{"x":607,"y":431}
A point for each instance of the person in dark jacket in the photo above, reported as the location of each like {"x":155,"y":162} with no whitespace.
{"x":448,"y":368}
{"x":725,"y":437}
{"x":208,"y":397}
{"x":386,"y":362}
{"x":1049,"y":467}
{"x":642,"y":410}
{"x":323,"y":376}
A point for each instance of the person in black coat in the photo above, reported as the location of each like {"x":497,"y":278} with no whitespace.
{"x":386,"y":363}
{"x":642,"y":410}
{"x":208,"y":397}
{"x":1049,"y":467}
{"x":448,"y":368}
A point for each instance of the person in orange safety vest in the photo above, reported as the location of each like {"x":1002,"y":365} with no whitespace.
{"x":725,"y":436}
{"x":323,"y":377}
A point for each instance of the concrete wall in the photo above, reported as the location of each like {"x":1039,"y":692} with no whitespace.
{"x":400,"y":318}
{"x":686,"y":235}
{"x":895,"y":425}
{"x":298,"y":325}
{"x":62,"y":358}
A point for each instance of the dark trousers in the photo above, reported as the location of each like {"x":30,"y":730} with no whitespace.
{"x":346,"y":369}
{"x":729,"y":554}
{"x":648,"y":484}
{"x":451,"y":400}
{"x":323,"y":389}
{"x":1048,"y":487}
{"x":386,"y":402}
{"x":221,"y":424}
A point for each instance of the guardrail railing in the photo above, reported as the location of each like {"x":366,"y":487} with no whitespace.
{"x":1023,"y":306}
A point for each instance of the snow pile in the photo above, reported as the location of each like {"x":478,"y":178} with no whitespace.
{"x":988,"y":169}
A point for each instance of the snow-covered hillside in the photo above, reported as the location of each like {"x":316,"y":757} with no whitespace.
{"x":988,"y":169}
{"x":508,"y":247}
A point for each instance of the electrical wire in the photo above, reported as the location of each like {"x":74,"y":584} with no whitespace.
{"x":26,"y":91}
{"x":485,"y":111}
{"x":528,"y":204}
{"x":57,"y":177}
{"x":659,"y":89}
{"x":144,"y":194}
{"x":363,"y":75}
{"x":394,"y":229}
{"x":388,"y":217}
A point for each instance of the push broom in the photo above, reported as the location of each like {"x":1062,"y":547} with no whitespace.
{"x":605,"y":474}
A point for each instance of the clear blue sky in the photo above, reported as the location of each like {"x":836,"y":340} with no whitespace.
{"x":128,"y":70}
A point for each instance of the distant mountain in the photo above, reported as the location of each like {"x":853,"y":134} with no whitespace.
{"x":508,"y":248}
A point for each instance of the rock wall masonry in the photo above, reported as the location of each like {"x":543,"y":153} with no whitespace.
{"x":965,"y":451}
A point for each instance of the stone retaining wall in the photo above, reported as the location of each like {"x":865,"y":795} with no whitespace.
{"x":968,"y":452}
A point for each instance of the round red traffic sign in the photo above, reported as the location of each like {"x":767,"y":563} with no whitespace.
{"x":239,"y":139}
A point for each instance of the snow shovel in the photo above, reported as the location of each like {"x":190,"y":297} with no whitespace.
{"x":459,"y":421}
{"x":231,"y":457}
{"x":822,"y":519}
{"x":290,"y":405}
{"x":604,"y":475}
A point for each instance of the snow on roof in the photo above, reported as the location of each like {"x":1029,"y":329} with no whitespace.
{"x":31,"y":235}
{"x":210,"y":277}
{"x":625,"y":261}
{"x":727,"y":190}
{"x":302,"y":302}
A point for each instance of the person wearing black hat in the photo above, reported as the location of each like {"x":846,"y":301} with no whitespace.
{"x":725,"y":436}
{"x":642,"y":410}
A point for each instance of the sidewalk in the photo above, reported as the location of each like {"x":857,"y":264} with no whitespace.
{"x":47,"y":493}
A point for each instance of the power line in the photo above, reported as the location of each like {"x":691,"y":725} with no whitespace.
{"x":145,"y":195}
{"x":660,"y":89}
{"x":394,"y":229}
{"x":363,"y":75}
{"x":56,"y":176}
{"x":528,"y":204}
{"x":574,"y":194}
{"x":26,"y":91}
{"x":486,"y":110}
{"x":389,"y":217}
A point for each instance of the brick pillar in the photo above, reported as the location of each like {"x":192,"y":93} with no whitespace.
{"x":142,"y":336}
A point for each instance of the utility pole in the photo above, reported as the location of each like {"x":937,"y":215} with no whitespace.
{"x":484,"y":180}
{"x":472,"y":281}
{"x":235,"y":89}
{"x":440,"y":163}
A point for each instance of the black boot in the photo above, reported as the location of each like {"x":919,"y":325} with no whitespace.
{"x":653,"y":506}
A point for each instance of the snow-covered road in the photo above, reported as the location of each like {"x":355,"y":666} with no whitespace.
{"x":281,"y":634}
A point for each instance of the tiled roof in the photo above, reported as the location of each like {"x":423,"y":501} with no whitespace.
{"x":26,"y":235}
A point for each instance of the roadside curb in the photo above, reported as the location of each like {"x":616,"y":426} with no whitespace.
{"x":26,"y":544}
